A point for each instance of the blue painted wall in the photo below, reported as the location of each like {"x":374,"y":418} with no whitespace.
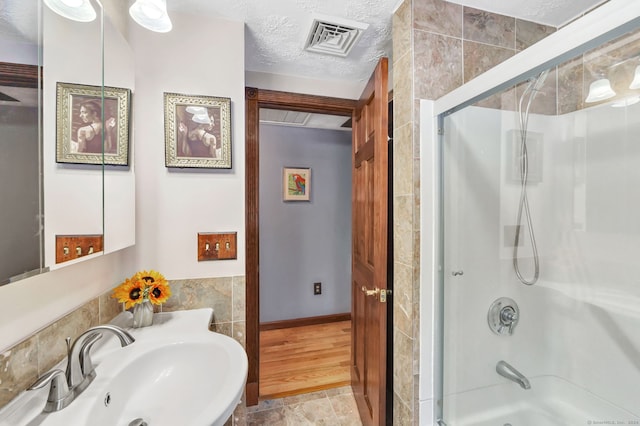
{"x":305,"y":242}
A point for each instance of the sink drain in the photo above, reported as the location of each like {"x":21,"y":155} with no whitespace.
{"x":138,"y":422}
{"x":107,"y":399}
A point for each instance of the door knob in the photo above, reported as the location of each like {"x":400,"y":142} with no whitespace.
{"x":373,"y":292}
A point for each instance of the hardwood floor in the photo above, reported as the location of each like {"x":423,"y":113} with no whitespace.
{"x":304,"y":359}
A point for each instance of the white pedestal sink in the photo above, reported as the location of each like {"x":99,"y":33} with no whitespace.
{"x":177,"y":372}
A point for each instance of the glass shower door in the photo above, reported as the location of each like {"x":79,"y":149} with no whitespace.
{"x":541,"y":236}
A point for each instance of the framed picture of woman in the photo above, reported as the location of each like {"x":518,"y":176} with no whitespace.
{"x":90,"y":129}
{"x":197,"y":131}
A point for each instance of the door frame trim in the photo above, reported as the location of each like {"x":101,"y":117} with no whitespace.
{"x":254,"y":100}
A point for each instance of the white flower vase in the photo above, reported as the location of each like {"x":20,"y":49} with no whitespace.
{"x":143,"y":314}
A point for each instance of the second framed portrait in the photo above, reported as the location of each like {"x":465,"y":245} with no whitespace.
{"x":197,"y":131}
{"x":90,"y":129}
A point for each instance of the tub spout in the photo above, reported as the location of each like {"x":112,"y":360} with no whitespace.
{"x":504,"y":369}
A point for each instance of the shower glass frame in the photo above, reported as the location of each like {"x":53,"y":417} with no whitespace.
{"x":604,"y":24}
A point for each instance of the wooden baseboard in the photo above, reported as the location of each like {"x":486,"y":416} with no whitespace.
{"x":301,"y":322}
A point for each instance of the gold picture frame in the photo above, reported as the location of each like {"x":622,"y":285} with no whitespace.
{"x":197,"y":131}
{"x":91,"y":129}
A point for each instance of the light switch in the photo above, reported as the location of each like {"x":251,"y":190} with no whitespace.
{"x":217,"y":246}
{"x":69,"y":247}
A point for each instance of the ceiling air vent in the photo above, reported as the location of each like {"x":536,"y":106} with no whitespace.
{"x":285,"y":118}
{"x":333,"y":36}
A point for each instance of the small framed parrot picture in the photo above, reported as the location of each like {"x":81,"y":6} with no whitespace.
{"x":296,"y":184}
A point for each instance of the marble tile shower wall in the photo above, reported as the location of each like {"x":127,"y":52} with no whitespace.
{"x":437,"y":46}
{"x":22,"y":364}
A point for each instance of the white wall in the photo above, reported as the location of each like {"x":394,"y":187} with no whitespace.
{"x":200,"y":56}
{"x":305,"y":242}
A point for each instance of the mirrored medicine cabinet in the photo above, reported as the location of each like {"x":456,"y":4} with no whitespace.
{"x":42,"y":199}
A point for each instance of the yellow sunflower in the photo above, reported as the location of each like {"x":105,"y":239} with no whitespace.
{"x":160,"y":292}
{"x":149,"y":277}
{"x":129,"y":292}
{"x":144,"y":285}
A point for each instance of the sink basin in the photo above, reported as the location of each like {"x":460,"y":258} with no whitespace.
{"x":175,"y":373}
{"x":194,"y":381}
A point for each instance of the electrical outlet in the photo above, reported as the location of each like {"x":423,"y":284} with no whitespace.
{"x":317,"y":288}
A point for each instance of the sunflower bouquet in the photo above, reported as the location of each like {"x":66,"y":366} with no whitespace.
{"x":141,"y":287}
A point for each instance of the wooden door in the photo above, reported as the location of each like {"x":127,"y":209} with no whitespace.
{"x":369,"y":248}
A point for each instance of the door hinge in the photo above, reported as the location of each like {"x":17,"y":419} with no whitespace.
{"x":440,"y":130}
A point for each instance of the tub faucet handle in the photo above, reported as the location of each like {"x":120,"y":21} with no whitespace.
{"x":509,"y":317}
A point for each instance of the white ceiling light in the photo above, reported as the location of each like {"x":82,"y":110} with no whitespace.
{"x":151,"y":14}
{"x":76,"y":10}
{"x":600,"y":90}
{"x":635,"y":84}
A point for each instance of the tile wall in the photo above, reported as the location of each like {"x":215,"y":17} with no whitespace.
{"x":437,"y":46}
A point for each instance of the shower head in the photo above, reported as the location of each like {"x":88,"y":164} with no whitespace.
{"x":538,"y":82}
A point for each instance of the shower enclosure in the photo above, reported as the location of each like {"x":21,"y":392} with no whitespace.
{"x":540,"y":244}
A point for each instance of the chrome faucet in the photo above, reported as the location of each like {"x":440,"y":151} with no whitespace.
{"x":80,"y":371}
{"x":506,"y":370}
{"x":66,"y":386}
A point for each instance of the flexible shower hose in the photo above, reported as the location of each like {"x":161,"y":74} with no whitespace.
{"x":523,"y":207}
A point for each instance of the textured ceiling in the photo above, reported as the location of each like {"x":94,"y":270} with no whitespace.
{"x":277,"y":30}
{"x":18,"y":21}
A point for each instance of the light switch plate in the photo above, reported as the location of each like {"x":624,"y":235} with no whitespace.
{"x":217,"y":246}
{"x":69,"y":247}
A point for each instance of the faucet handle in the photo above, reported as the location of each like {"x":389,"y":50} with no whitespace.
{"x":59,"y":394}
